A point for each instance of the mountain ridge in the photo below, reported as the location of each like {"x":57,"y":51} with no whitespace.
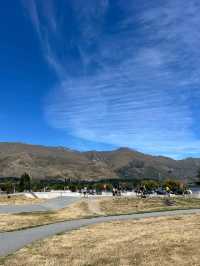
{"x":60,"y":162}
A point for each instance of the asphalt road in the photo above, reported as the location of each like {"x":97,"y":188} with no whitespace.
{"x":12,"y":241}
{"x":48,"y":205}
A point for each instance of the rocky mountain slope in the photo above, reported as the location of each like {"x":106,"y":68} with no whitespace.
{"x":58,"y":162}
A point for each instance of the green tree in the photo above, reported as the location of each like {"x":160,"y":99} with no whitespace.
{"x":173,"y":185}
{"x":8,"y":187}
{"x":25,"y":182}
{"x":198,"y":176}
{"x":150,"y":184}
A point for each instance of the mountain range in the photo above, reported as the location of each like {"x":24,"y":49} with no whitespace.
{"x":43,"y":162}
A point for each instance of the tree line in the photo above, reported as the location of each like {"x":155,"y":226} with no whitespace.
{"x":26,"y":183}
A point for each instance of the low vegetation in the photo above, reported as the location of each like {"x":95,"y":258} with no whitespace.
{"x":129,"y":205}
{"x":148,"y":242}
{"x":89,"y":207}
{"x":10,"y":222}
{"x":4,"y":200}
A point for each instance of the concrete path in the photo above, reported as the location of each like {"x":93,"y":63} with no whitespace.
{"x":49,"y":205}
{"x":12,"y":241}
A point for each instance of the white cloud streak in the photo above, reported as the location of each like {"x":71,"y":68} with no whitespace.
{"x":139,"y":76}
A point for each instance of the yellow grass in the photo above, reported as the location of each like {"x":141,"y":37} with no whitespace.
{"x":128,"y":204}
{"x":10,"y":222}
{"x":148,"y":242}
{"x":4,"y":200}
{"x":92,"y":207}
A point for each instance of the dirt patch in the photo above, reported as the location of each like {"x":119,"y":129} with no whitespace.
{"x":94,"y":206}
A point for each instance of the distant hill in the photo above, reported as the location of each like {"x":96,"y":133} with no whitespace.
{"x":58,"y":162}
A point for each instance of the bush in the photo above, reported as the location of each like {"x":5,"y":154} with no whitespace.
{"x":150,"y":184}
{"x":174,"y":186}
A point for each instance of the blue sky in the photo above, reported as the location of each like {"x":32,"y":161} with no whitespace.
{"x":101,"y":74}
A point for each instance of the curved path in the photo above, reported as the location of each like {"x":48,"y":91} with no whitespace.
{"x":48,"y":205}
{"x":12,"y":241}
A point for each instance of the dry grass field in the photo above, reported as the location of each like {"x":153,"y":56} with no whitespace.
{"x":148,"y":242}
{"x":94,"y":207}
{"x":4,"y":200}
{"x":127,"y":204}
{"x":9,"y":222}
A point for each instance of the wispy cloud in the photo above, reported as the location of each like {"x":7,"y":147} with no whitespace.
{"x":133,"y":79}
{"x":43,"y":18}
{"x":31,"y":7}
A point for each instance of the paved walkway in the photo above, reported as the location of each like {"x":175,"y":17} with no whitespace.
{"x":48,"y":205}
{"x":12,"y":241}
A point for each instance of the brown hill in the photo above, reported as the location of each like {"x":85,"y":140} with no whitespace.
{"x":58,"y":162}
